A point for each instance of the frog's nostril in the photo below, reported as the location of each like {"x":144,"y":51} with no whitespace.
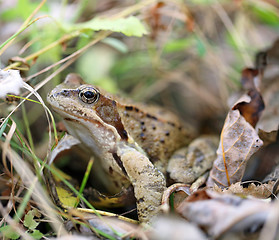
{"x":65,"y":92}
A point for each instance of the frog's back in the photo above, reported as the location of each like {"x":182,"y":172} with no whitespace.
{"x":157,"y":131}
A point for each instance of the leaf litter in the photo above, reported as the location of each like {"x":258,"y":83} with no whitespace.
{"x":227,"y":207}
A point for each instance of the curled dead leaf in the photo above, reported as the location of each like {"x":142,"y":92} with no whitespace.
{"x":221,"y":214}
{"x":251,"y":111}
{"x":239,"y":139}
{"x":64,"y":144}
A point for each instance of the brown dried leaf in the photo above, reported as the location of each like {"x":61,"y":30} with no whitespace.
{"x":264,"y":190}
{"x":251,"y":110}
{"x":222,"y":213}
{"x":238,"y":141}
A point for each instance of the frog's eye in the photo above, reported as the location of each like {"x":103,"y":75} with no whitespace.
{"x":89,"y":95}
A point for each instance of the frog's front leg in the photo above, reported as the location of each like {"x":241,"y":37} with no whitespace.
{"x":148,"y":182}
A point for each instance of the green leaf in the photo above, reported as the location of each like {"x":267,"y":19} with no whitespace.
{"x":22,"y":10}
{"x":9,"y":233}
{"x":268,"y":16}
{"x":130,"y":26}
{"x":3,"y":127}
{"x":117,"y":44}
{"x":36,"y":234}
{"x":29,"y":221}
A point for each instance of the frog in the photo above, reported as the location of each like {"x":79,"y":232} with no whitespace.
{"x":134,"y":143}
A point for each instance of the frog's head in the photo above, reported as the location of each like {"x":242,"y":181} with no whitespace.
{"x":84,"y":105}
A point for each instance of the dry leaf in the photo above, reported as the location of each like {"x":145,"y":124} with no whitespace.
{"x":263,"y":190}
{"x":238,"y":141}
{"x":174,"y":228}
{"x":251,"y":110}
{"x":220,"y":214}
{"x":67,"y":142}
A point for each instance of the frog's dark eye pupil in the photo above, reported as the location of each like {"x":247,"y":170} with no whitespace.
{"x":89,"y":95}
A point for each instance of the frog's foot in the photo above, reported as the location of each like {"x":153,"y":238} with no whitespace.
{"x":188,"y":164}
{"x":148,"y":182}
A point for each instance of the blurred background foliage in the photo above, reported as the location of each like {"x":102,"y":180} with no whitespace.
{"x":189,"y":61}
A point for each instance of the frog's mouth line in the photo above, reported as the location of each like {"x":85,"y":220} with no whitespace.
{"x":119,"y":163}
{"x":71,"y":120}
